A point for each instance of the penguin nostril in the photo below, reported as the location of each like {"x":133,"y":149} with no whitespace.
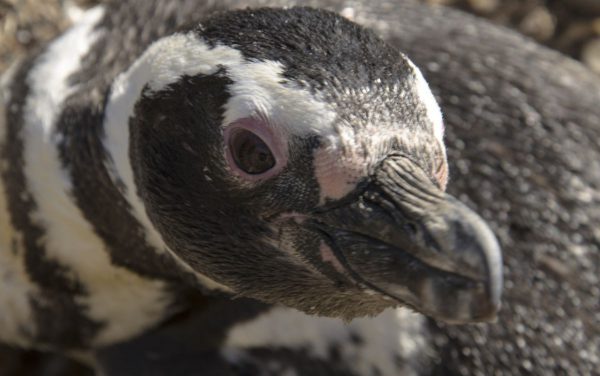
{"x":410,"y":228}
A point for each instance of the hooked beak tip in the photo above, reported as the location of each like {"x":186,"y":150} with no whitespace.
{"x":468,"y":251}
{"x":406,"y":239}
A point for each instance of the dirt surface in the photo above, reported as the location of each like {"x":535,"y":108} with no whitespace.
{"x":570,"y":26}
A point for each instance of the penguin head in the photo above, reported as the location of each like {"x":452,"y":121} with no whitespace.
{"x":296,"y":158}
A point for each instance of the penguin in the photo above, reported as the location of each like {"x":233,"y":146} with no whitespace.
{"x":520,"y":123}
{"x":289,"y":156}
{"x":521,"y":130}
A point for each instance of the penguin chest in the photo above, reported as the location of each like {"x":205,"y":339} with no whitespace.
{"x":285,"y":341}
{"x":74,"y":298}
{"x":71,"y":298}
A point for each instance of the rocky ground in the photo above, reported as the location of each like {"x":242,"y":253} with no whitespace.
{"x":570,"y":26}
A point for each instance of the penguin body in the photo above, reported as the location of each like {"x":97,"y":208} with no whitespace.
{"x":480,"y":79}
{"x":71,"y":246}
{"x":149,"y":151}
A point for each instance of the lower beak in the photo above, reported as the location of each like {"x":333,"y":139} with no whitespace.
{"x":404,"y":238}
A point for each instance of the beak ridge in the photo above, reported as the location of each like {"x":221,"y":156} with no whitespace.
{"x":407,"y":239}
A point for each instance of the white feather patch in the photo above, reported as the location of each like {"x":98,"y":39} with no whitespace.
{"x":258,"y":91}
{"x":431,"y":106}
{"x":123,"y":301}
{"x":393,"y":335}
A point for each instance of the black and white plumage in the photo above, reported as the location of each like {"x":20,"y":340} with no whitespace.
{"x":126,"y":181}
{"x":158,"y":21}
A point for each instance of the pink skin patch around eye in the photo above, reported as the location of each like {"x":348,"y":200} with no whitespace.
{"x":337,"y":174}
{"x":274,"y":141}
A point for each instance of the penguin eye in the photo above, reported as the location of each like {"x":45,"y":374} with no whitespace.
{"x":250,"y":153}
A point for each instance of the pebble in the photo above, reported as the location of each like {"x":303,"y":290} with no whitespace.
{"x":590,"y":54}
{"x":539,"y":24}
{"x":484,"y":6}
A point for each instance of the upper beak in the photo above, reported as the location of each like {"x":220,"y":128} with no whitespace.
{"x":406,"y":239}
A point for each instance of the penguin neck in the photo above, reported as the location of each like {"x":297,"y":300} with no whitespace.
{"x":67,"y":236}
{"x":123,"y":94}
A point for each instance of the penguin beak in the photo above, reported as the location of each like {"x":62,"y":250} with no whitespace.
{"x":405,"y":238}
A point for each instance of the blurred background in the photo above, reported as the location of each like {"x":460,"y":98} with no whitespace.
{"x":570,"y":26}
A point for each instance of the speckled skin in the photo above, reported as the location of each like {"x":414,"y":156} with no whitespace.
{"x":522,"y":132}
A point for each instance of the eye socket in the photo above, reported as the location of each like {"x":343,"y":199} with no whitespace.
{"x":250,"y":153}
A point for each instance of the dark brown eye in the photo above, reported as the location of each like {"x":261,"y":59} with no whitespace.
{"x":250,"y":153}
